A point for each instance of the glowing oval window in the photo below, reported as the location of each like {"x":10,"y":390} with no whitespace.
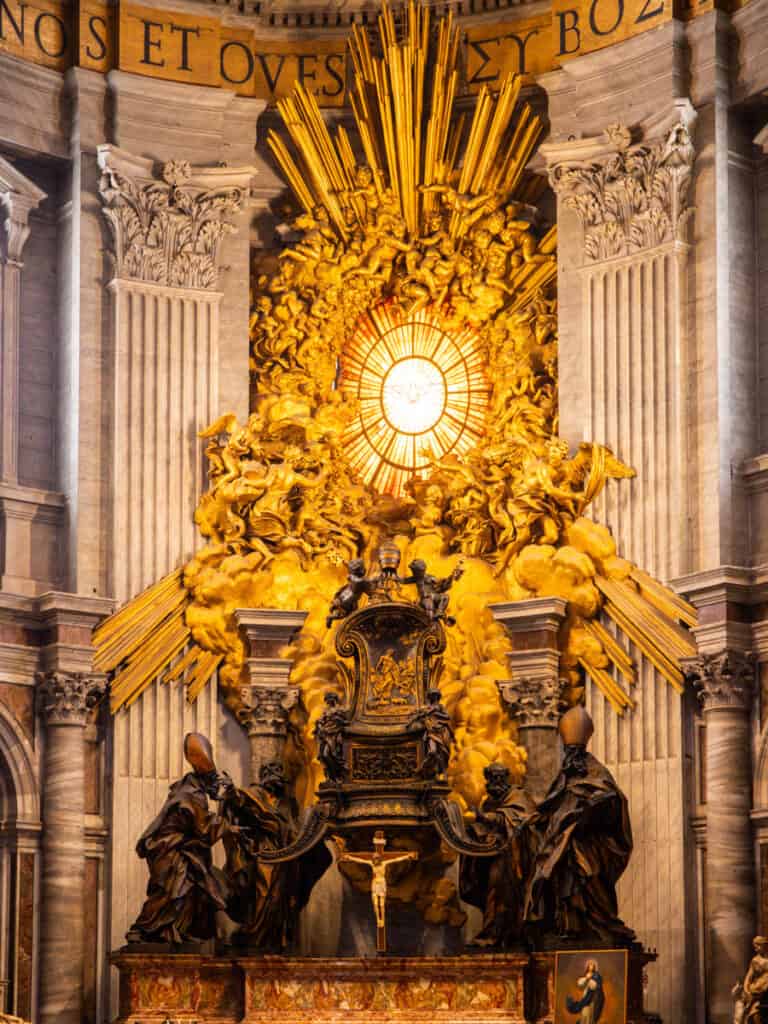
{"x":422,"y":393}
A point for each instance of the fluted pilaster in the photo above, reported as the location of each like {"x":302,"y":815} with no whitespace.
{"x":18,"y":198}
{"x":624,"y":206}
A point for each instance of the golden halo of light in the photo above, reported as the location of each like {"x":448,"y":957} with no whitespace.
{"x":421,"y":392}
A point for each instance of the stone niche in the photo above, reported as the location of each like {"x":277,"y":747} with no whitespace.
{"x":188,"y":988}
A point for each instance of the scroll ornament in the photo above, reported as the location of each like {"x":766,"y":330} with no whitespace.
{"x":168,"y":232}
{"x":634,"y":200}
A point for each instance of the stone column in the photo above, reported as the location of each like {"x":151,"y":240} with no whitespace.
{"x":268,"y":698}
{"x":18,"y":197}
{"x":64,"y":702}
{"x":724,"y":681}
{"x":532,"y":696}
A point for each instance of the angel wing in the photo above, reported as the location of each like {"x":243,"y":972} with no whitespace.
{"x":226,"y":424}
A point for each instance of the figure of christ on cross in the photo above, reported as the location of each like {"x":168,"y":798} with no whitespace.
{"x":378,"y":861}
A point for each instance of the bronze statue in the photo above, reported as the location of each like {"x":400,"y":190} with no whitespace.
{"x":585,"y":841}
{"x":184,"y":893}
{"x":347,"y":598}
{"x":438,"y":735}
{"x":433,"y":591}
{"x":266,"y":899}
{"x":329,"y":733}
{"x":751,"y":994}
{"x":497,"y":885}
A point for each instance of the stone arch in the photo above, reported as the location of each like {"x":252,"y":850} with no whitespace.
{"x":18,"y":757}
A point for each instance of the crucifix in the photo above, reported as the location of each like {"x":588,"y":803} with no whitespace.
{"x":378,"y":861}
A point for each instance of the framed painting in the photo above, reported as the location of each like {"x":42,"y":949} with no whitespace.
{"x":591,"y":987}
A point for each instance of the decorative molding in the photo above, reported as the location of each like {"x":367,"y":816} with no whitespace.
{"x":19,"y":197}
{"x":725,"y":679}
{"x":266,"y":631}
{"x":166,"y":232}
{"x":532,"y":701}
{"x":755,"y":471}
{"x":632,"y":197}
{"x":67,"y":698}
{"x":264,"y":710}
{"x":537,"y":614}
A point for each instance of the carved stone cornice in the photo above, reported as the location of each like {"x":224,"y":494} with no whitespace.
{"x":723,"y":679}
{"x":532,"y":702}
{"x":632,"y":197}
{"x":67,"y":698}
{"x":18,"y":197}
{"x":264,"y":710}
{"x":166,"y":232}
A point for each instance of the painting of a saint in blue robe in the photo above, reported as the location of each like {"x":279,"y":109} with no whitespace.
{"x":591,"y":987}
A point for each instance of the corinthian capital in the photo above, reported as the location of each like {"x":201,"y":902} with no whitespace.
{"x":18,"y":198}
{"x":264,"y":710}
{"x":629,"y":198}
{"x":532,"y":701}
{"x":166,"y":231}
{"x":722,"y":680}
{"x":65,"y":698}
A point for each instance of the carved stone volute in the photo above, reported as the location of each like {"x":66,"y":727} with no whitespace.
{"x":18,"y":198}
{"x":725,"y":679}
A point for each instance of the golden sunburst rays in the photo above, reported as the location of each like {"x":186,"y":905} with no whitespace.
{"x":139,"y":643}
{"x":403,"y":104}
{"x":421,"y":391}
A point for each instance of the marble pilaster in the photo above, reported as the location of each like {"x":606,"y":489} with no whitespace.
{"x":18,"y":198}
{"x":65,"y":700}
{"x":532,"y":696}
{"x":267,"y":699}
{"x":173,"y":321}
{"x":165,"y":321}
{"x":621,"y":162}
{"x":724,"y":681}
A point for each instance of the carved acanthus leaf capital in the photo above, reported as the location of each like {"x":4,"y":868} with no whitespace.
{"x":67,"y":698}
{"x":725,"y":679}
{"x":633,"y":199}
{"x":532,"y":701}
{"x":168,"y":232}
{"x":266,"y":709}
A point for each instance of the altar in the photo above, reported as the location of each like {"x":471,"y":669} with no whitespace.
{"x":188,"y":988}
